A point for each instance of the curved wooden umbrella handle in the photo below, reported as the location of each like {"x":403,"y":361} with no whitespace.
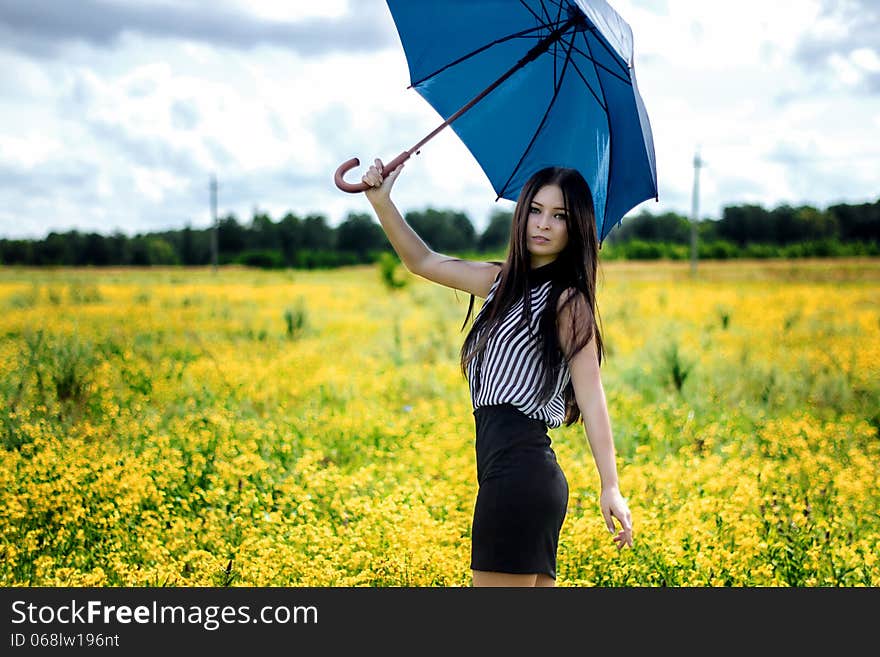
{"x":354,"y":188}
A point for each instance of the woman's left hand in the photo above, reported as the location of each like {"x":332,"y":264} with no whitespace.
{"x":614,"y":506}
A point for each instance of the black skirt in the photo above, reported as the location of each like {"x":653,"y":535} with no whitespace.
{"x":522,"y":496}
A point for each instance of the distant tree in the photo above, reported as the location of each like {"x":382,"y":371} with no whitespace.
{"x":359,"y":233}
{"x":289,"y":237}
{"x":814,"y":224}
{"x":430,"y":224}
{"x":317,"y":234}
{"x":160,"y":252}
{"x":54,"y":250}
{"x":188,"y":247}
{"x":230,"y":235}
{"x":117,"y":244}
{"x":742,"y":224}
{"x":497,"y":233}
{"x":76,"y":248}
{"x":263,"y":233}
{"x":461,"y":236}
{"x":707,"y":231}
{"x":95,"y":250}
{"x":666,"y":227}
{"x":857,"y":222}
{"x":785,"y":225}
{"x":16,"y":252}
{"x":140,"y":253}
{"x":443,"y":230}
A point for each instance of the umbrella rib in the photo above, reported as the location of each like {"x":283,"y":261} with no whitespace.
{"x":555,"y":50}
{"x":591,"y":28}
{"x":544,"y":10}
{"x":614,"y":55}
{"x":540,"y":125}
{"x":532,"y":12}
{"x":548,"y":25}
{"x":555,"y":47}
{"x":555,"y":43}
{"x":558,"y":5}
{"x":623,"y":79}
{"x":516,"y":35}
{"x":602,"y":103}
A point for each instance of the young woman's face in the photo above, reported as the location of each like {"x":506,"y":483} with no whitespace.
{"x":547,"y":227}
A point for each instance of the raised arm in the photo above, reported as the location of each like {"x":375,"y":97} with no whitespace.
{"x":470,"y":276}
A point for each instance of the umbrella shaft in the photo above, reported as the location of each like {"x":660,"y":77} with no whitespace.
{"x":541,"y":47}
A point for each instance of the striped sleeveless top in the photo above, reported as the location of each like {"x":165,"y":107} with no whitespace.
{"x":510,"y":371}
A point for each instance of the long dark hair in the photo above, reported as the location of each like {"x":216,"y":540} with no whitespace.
{"x":576,"y":270}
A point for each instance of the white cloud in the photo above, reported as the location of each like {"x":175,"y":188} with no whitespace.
{"x":866,"y":59}
{"x":29,"y":149}
{"x":292,"y":10}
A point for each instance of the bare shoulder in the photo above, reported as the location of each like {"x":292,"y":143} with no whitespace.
{"x":473,"y":276}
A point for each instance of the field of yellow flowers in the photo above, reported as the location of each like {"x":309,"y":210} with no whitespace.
{"x":176,"y":427}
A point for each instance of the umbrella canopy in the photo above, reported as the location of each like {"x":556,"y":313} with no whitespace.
{"x":527,"y":84}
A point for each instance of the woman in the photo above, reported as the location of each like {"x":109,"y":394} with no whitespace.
{"x":532,"y":359}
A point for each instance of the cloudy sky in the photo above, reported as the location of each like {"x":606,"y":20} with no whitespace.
{"x":114,"y":114}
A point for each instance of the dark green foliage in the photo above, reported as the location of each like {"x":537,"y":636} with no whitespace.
{"x":360,"y":234}
{"x":297,"y":318}
{"x":264,"y":259}
{"x":388,"y":266}
{"x":748,"y":231}
{"x":497,"y":233}
{"x":445,"y":231}
{"x":677,"y":368}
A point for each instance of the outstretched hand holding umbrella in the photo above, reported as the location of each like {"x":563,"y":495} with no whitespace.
{"x":378,"y":181}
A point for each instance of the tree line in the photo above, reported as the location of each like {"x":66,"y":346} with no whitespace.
{"x":752,"y":231}
{"x":311,"y":242}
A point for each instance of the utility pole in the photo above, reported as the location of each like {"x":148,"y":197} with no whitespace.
{"x":214,"y":223}
{"x":695,"y":209}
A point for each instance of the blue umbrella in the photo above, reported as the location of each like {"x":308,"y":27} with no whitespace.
{"x":530,"y":84}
